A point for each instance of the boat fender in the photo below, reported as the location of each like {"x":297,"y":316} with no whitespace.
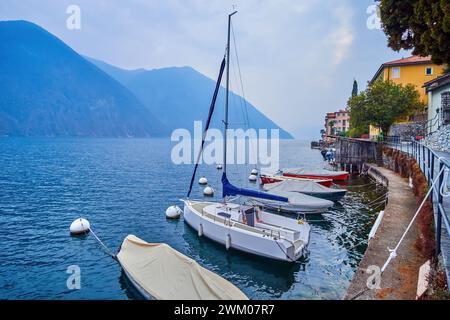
{"x":257,"y":215}
{"x":203,"y":181}
{"x":79,"y":227}
{"x":200,"y":230}
{"x":228,"y":241}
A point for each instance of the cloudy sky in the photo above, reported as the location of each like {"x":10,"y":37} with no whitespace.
{"x":298,"y":57}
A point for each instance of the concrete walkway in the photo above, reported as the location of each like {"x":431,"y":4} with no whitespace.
{"x":399,"y":281}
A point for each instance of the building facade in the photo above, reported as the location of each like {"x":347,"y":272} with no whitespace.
{"x":438,"y":91}
{"x":413,"y":70}
{"x":337,"y":123}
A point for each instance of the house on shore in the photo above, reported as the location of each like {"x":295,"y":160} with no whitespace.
{"x":413,"y":70}
{"x":438,"y":124}
{"x":337,"y":123}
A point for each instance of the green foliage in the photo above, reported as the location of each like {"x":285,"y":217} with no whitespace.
{"x":382,"y":104}
{"x":422,"y":25}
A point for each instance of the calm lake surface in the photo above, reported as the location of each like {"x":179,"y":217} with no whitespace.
{"x":123,"y":186}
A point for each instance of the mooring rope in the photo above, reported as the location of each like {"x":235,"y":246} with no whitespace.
{"x":106,"y":249}
{"x":393,"y":252}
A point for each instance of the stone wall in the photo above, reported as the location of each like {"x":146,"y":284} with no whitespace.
{"x":407,"y":130}
{"x":440,"y":140}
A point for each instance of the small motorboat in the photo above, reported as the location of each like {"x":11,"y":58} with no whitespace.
{"x":270,"y":178}
{"x":158,"y":271}
{"x":316,"y":174}
{"x":249,"y":229}
{"x":309,"y":188}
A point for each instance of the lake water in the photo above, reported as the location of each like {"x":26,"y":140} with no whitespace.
{"x":123,"y":186}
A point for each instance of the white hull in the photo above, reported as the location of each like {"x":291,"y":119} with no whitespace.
{"x":258,"y":240}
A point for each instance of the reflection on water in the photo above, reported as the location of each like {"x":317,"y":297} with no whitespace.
{"x":123,"y":187}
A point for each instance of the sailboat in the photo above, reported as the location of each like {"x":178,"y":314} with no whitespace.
{"x":243,"y":227}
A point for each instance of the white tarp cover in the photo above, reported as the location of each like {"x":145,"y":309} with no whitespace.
{"x":300,"y":186}
{"x":321,"y":172}
{"x":166,"y":274}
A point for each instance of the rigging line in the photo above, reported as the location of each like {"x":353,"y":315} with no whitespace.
{"x":247,"y":119}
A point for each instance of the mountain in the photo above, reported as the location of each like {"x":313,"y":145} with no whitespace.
{"x":180,"y":95}
{"x":47,"y":89}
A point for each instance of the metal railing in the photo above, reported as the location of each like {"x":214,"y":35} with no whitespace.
{"x":432,"y":163}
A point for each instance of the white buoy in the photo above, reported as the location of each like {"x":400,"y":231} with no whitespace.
{"x":79,"y":227}
{"x":252,"y":178}
{"x":203,"y":180}
{"x":255,"y":172}
{"x":219,"y":167}
{"x":173,"y":212}
{"x":228,"y":242}
{"x":208,"y":191}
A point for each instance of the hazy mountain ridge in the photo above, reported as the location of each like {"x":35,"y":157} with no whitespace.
{"x":50,"y":90}
{"x":180,"y":95}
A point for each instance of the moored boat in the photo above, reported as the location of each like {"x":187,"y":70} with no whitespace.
{"x":158,"y":271}
{"x":316,"y":174}
{"x":298,"y":203}
{"x":249,"y":229}
{"x":309,"y":188}
{"x":269,"y":178}
{"x":240,"y":226}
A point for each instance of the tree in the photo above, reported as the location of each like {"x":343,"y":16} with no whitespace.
{"x":422,"y":25}
{"x":331,"y":125}
{"x":355,"y":88}
{"x":382,"y":103}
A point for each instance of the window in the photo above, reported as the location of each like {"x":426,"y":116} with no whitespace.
{"x":429,"y":71}
{"x":396,"y":73}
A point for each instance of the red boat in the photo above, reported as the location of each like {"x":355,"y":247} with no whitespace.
{"x":319,"y":174}
{"x":267,"y":179}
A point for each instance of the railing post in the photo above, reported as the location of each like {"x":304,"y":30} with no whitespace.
{"x":432,"y":177}
{"x":428,"y":166}
{"x":423,"y":160}
{"x":439,"y":213}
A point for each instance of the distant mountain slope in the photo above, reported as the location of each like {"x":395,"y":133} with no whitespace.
{"x":47,"y":89}
{"x":179,"y":96}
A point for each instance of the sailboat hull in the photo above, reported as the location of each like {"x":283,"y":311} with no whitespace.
{"x":240,"y":239}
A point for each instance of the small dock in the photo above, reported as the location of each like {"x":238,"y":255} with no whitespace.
{"x":399,"y":281}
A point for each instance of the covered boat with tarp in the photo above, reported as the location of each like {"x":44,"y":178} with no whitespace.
{"x":160,"y":272}
{"x":315,"y":174}
{"x":270,"y":178}
{"x":309,"y":188}
{"x":297,"y":202}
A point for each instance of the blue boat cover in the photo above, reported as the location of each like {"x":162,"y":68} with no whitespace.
{"x":231,"y":190}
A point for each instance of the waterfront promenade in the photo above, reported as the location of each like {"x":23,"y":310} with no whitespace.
{"x":399,"y":281}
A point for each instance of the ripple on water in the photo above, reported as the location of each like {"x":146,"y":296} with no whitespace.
{"x":123,"y":187}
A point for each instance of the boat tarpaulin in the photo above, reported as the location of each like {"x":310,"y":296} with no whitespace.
{"x":231,"y":190}
{"x":166,"y":274}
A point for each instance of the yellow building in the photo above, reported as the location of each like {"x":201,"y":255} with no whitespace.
{"x":413,"y":70}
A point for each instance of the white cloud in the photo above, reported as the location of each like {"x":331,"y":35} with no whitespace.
{"x":342,"y":37}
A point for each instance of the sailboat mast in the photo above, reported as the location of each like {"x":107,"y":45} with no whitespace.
{"x":227,"y":95}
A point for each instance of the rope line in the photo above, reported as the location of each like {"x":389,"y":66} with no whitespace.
{"x":106,"y":249}
{"x":393,"y":252}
